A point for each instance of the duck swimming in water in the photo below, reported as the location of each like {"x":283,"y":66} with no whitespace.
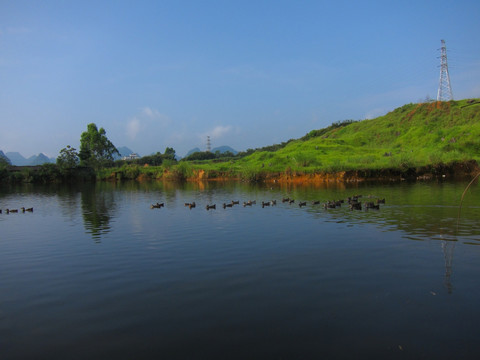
{"x":157,"y":205}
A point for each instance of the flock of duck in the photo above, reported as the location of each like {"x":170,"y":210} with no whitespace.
{"x":354,"y":203}
{"x":22,"y":209}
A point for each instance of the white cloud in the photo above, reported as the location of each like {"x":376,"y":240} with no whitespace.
{"x":151,"y":113}
{"x":218,"y":132}
{"x":147,"y":122}
{"x":154,"y":114}
{"x":133,"y":128}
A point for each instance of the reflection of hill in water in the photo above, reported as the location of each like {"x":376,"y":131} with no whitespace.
{"x":423,"y":211}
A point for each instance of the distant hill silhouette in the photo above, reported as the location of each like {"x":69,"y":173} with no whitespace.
{"x":224,"y":149}
{"x":17,"y":159}
{"x":4,"y":158}
{"x":40,"y":159}
{"x":124,"y":151}
{"x":221,"y":149}
{"x":194,"y":150}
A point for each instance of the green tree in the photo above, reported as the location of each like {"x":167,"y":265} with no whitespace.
{"x":68,"y":158}
{"x":169,"y":153}
{"x":95,"y":148}
{"x":200,"y":155}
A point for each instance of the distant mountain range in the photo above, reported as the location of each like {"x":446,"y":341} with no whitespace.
{"x":194,"y":150}
{"x":221,"y":149}
{"x":17,"y":159}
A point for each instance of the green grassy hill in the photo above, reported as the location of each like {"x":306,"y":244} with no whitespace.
{"x":413,"y":135}
{"x":409,"y":141}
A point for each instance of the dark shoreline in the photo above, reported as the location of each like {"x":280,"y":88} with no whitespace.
{"x":51,"y":174}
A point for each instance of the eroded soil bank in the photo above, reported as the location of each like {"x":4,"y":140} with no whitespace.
{"x":456,"y":170}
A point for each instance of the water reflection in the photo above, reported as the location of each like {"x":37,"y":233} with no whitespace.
{"x":98,"y":208}
{"x":356,"y":273}
{"x":448,"y":247}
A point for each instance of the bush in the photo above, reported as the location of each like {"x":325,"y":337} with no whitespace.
{"x":182,"y":171}
{"x":252,"y":174}
{"x":130,"y":172}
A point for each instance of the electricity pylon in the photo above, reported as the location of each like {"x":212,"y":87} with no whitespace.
{"x":208,"y":144}
{"x":444,"y":87}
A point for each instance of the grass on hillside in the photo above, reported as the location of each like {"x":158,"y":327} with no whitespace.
{"x":411,"y":136}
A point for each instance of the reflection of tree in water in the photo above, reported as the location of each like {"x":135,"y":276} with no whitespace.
{"x":448,"y":247}
{"x":68,"y":199}
{"x":97,"y":209}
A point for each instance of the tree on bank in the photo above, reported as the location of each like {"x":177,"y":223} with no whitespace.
{"x":169,"y":153}
{"x":68,"y":158}
{"x":95,"y":148}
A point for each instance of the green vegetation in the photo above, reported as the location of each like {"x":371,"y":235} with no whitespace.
{"x":432,"y":134}
{"x":68,"y":159}
{"x":411,"y":136}
{"x":96,"y":150}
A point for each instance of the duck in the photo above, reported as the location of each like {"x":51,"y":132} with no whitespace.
{"x":12,"y":211}
{"x":353,"y":199}
{"x":208,"y":207}
{"x":291,"y":201}
{"x":285,"y":200}
{"x":265,"y":203}
{"x":381,"y":201}
{"x":235,"y":202}
{"x":304,"y":203}
{"x":315,"y":202}
{"x":27,"y":209}
{"x":371,"y":205}
{"x":157,"y":205}
{"x":227,"y":205}
{"x":356,"y":206}
{"x":329,"y":205}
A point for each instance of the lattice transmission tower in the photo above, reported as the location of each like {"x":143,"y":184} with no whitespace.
{"x":444,"y":87}
{"x":209,"y":146}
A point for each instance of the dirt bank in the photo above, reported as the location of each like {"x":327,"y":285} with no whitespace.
{"x":457,"y":170}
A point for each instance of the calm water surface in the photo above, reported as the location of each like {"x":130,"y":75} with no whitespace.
{"x":95,"y":273}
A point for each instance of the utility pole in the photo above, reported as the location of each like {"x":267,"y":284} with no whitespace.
{"x":444,"y":87}
{"x":209,"y":147}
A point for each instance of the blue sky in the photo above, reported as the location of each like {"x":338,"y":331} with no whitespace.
{"x":246,"y":73}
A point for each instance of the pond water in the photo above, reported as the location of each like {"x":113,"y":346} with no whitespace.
{"x":95,"y":273}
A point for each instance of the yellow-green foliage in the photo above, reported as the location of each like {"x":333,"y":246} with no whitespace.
{"x":410,"y":136}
